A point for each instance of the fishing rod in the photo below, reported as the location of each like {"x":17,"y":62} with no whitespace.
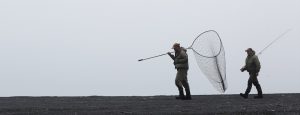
{"x":280,"y":36}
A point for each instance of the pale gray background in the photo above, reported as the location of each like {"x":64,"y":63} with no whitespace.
{"x":91,"y":47}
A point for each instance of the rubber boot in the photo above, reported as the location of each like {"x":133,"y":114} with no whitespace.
{"x":259,"y":91}
{"x":181,"y":95}
{"x":188,"y":94}
{"x":245,"y":96}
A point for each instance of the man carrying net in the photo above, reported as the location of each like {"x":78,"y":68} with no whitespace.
{"x":210,"y":57}
{"x":182,"y":66}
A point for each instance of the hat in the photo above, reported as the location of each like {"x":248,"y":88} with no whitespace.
{"x":249,"y":49}
{"x":176,"y":45}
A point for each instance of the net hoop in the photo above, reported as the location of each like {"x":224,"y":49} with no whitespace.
{"x":221,"y":44}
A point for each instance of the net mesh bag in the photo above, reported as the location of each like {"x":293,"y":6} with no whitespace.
{"x":210,"y":56}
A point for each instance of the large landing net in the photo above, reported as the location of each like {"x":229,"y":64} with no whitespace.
{"x":210,"y":56}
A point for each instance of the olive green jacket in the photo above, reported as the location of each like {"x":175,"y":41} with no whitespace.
{"x":252,"y":64}
{"x":180,"y":59}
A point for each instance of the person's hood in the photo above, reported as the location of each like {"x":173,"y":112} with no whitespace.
{"x":182,"y":48}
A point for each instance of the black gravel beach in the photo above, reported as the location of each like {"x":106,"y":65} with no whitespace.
{"x":271,"y":104}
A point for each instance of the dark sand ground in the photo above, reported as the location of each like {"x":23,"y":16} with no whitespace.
{"x":271,"y":104}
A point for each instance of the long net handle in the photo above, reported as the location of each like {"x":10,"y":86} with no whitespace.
{"x":153,"y":57}
{"x":161,"y":55}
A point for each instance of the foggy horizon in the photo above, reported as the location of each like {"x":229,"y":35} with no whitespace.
{"x":91,"y":47}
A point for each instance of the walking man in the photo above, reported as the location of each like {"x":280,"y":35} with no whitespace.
{"x":253,"y":67}
{"x":182,"y":66}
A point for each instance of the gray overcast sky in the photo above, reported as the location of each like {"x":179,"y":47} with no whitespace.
{"x":91,"y":47}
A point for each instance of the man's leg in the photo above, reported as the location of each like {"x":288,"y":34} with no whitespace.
{"x":179,"y":85}
{"x":257,"y":85}
{"x":259,"y":91}
{"x":187,"y":91}
{"x":249,"y":86}
{"x":186,"y":85}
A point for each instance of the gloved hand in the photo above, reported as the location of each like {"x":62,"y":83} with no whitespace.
{"x":169,"y":53}
{"x":243,"y":69}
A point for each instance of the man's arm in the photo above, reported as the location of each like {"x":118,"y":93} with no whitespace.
{"x":257,"y":63}
{"x":171,"y":55}
{"x":244,"y":67}
{"x":182,"y":58}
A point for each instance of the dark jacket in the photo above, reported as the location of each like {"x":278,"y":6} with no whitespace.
{"x":252,"y":64}
{"x":180,"y":59}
